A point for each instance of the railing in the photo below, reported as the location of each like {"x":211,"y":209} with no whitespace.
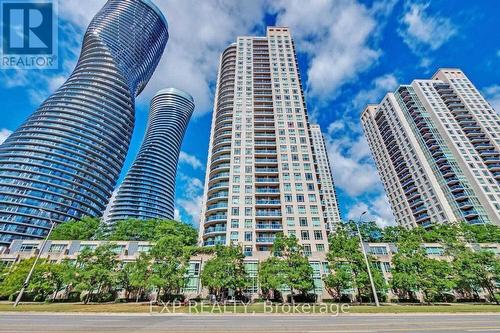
{"x":269,"y":226}
{"x":268,"y":213}
{"x":265,"y":240}
{"x":217,"y":229}
{"x":216,"y":217}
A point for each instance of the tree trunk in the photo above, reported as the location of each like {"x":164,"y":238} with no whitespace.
{"x":138,"y":294}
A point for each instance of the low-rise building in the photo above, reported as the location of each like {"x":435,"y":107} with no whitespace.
{"x":128,"y":251}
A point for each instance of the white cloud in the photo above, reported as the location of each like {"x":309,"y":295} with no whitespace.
{"x":422,"y":32}
{"x":336,"y":36}
{"x":191,"y":207}
{"x":492,"y":94}
{"x":193,"y":161}
{"x":4,"y":134}
{"x":378,"y":88}
{"x":177,"y":214}
{"x":379,"y":211}
{"x":190,"y":200}
{"x":352,"y":168}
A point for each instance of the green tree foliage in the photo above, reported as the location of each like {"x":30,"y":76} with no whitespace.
{"x":97,"y":271}
{"x":135,"y":276}
{"x":344,"y":256}
{"x":293,"y":267}
{"x":338,"y":280}
{"x":48,"y":278}
{"x":271,"y":276}
{"x":224,"y":271}
{"x":170,"y":263}
{"x":84,"y":229}
{"x":126,"y":230}
{"x":476,"y":271}
{"x":153,"y":230}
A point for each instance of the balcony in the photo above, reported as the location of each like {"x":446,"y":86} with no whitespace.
{"x":212,"y":242}
{"x":218,"y":185}
{"x":265,"y":152}
{"x":267,"y":190}
{"x":214,"y":230}
{"x":218,"y":195}
{"x":460,"y":196}
{"x":265,"y":240}
{"x":268,"y":226}
{"x":217,"y":217}
{"x":219,"y":206}
{"x":220,"y":167}
{"x":261,"y":202}
{"x":266,"y":160}
{"x":465,"y":204}
{"x":267,"y":180}
{"x":268,"y":213}
{"x":219,"y":176}
{"x":226,"y":157}
{"x":266,"y":170}
{"x":265,"y":143}
{"x":491,"y":160}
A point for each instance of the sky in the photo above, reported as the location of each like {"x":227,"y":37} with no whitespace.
{"x":350,"y":53}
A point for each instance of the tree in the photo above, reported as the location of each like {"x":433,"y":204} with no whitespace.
{"x":437,"y":279}
{"x":139,"y":274}
{"x":408,"y":265}
{"x":153,"y":230}
{"x":475,"y":271}
{"x":170,"y":262}
{"x":271,"y":277}
{"x":225,"y":271}
{"x":84,"y":229}
{"x":97,"y":270}
{"x":294,"y":267}
{"x":345,"y":251}
{"x":338,"y":280}
{"x":48,"y":278}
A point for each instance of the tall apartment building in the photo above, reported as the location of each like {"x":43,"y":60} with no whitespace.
{"x":323,"y":168}
{"x":148,"y":190}
{"x":436,"y":144}
{"x":260,"y":177}
{"x":67,"y":156}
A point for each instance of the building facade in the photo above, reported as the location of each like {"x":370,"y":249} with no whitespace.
{"x":436,"y":144}
{"x":327,"y":191}
{"x":148,"y":190}
{"x":261,"y":177}
{"x":66,"y":157}
{"x":129,"y":251}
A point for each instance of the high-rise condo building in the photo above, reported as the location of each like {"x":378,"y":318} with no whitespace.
{"x":261,"y":177}
{"x":327,"y":188}
{"x":66,"y":157}
{"x":148,"y":190}
{"x":436,"y":146}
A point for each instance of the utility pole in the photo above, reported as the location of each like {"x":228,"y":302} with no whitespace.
{"x":374,"y":291}
{"x":27,"y":281}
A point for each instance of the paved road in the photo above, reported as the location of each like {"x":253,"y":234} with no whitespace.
{"x":34,"y":323}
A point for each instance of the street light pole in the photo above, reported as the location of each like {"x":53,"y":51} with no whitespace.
{"x":374,"y":291}
{"x":27,"y":281}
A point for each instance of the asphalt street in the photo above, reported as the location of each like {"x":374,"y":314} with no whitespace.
{"x":75,"y":323}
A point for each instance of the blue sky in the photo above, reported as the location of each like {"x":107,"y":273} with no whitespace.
{"x":350,"y":53}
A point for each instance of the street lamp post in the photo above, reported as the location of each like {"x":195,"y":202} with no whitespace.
{"x":374,"y":291}
{"x":27,"y":281}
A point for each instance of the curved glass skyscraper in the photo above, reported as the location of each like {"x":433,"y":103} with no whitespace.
{"x":67,"y":156}
{"x":149,"y":187}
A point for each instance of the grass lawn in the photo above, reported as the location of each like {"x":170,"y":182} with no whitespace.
{"x":253,"y":308}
